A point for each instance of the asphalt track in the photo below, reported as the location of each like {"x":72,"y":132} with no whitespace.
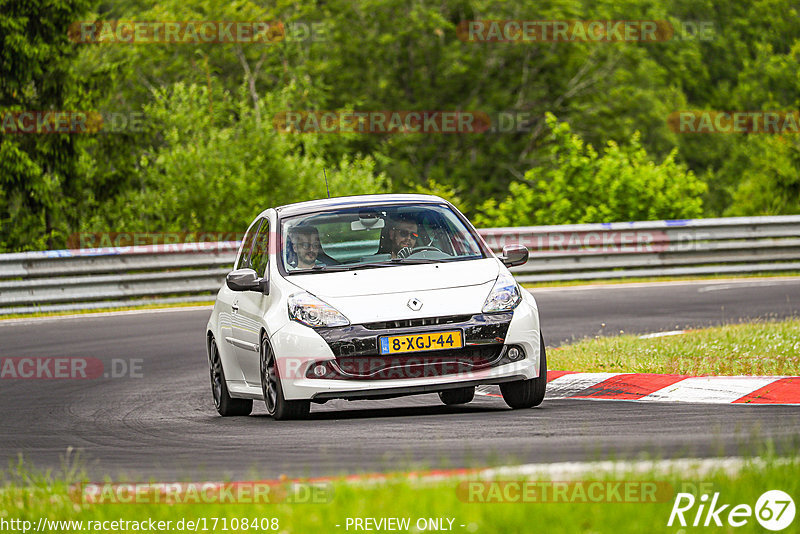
{"x":162,"y":426}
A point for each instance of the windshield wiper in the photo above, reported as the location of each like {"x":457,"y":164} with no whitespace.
{"x":460,"y":258}
{"x":318,"y":268}
{"x":341,"y":268}
{"x":374,"y":265}
{"x":397,"y":261}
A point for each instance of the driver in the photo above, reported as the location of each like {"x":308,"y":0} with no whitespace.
{"x":403,"y":237}
{"x":305,"y":240}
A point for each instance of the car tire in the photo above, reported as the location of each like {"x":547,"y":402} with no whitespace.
{"x":226,"y":405}
{"x":277,"y":406}
{"x":528,"y":393}
{"x":457,"y":396}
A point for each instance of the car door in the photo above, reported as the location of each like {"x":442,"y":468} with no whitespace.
{"x":252,"y":306}
{"x":228,"y":306}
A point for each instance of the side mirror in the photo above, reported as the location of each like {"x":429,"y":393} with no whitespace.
{"x":246,"y":280}
{"x":514,"y":255}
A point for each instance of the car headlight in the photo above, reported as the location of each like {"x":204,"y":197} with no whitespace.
{"x":307,"y":309}
{"x":504,"y":296}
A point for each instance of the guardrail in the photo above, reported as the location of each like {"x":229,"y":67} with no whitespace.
{"x":734,"y":245}
{"x":108,"y":277}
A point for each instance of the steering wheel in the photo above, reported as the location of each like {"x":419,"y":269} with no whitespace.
{"x":423,"y":249}
{"x":405,"y":252}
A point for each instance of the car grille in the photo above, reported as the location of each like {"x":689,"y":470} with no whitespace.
{"x":420,"y":364}
{"x":408,"y":323}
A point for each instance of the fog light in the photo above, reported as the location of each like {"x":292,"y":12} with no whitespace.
{"x":320,"y":370}
{"x":514,"y":354}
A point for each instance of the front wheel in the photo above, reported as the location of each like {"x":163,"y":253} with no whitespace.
{"x":225,"y":404}
{"x":277,"y":406}
{"x":528,"y":393}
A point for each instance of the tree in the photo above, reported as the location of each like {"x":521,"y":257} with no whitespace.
{"x":40,"y":181}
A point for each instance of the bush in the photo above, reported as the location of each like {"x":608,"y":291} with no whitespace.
{"x":582,"y":186}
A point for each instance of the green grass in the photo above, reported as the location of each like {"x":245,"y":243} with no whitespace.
{"x":29,"y":497}
{"x":761,"y":348}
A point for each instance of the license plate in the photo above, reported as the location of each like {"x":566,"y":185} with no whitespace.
{"x":421,"y":342}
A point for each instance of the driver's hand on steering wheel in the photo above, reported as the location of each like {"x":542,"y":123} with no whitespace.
{"x":404,"y":252}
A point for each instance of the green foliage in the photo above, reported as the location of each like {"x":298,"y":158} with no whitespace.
{"x":211,"y":157}
{"x":579,"y":185}
{"x":768,"y":186}
{"x":448,"y":193}
{"x":40,"y":186}
{"x":203,"y":176}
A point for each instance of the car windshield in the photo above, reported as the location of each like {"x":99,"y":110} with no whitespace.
{"x":381,"y":236}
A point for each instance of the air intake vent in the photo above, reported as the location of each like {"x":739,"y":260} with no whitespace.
{"x":407,"y":323}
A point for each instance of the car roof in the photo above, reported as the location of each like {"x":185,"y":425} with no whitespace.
{"x":325,"y":204}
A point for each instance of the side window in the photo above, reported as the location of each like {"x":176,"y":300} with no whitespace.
{"x":247,"y":245}
{"x":260,"y":256}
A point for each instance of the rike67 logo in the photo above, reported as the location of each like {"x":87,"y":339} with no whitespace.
{"x":774,"y":510}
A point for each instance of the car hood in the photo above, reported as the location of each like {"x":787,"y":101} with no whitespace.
{"x":399,"y":279}
{"x":385,"y":294}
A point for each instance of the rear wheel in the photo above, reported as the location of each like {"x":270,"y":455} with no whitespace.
{"x":528,"y":393}
{"x":457,"y":396}
{"x":225,"y":404}
{"x":277,"y":406}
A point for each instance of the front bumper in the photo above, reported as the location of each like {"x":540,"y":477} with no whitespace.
{"x":356,"y":369}
{"x":357,"y":355}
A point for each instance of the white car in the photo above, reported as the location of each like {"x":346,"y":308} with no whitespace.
{"x":371,"y":297}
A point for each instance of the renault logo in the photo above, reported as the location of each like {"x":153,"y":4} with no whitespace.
{"x":415,"y":304}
